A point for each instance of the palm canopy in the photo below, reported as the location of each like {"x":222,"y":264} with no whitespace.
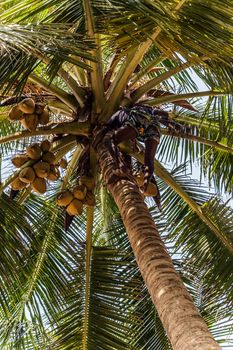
{"x":81,"y":288}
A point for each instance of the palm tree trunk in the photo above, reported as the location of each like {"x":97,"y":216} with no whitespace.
{"x":185,"y":328}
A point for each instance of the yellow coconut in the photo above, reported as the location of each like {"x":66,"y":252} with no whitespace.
{"x":19,"y":160}
{"x":54,"y":173}
{"x":151,"y":190}
{"x":39,"y":108}
{"x":64,"y":198}
{"x":49,"y":157}
{"x":29,"y":121}
{"x":44,"y":117}
{"x":89,"y":182}
{"x":15,"y":113}
{"x":41,"y":169}
{"x":89,"y":200}
{"x":34,"y":151}
{"x":75,"y":207}
{"x":63,"y":163}
{"x":27,"y":175}
{"x":45,"y":145}
{"x":27,"y":105}
{"x":17,"y":184}
{"x":39,"y":185}
{"x":80,"y":192}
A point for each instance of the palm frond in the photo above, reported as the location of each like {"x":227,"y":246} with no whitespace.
{"x":213,"y":123}
{"x":28,"y":295}
{"x":7,"y":128}
{"x":200,"y":246}
{"x":23,"y":47}
{"x":216,"y":257}
{"x":65,"y":289}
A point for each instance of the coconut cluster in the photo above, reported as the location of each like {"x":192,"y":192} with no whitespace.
{"x":30,"y":114}
{"x":151,"y":190}
{"x":41,"y":167}
{"x":76,"y":199}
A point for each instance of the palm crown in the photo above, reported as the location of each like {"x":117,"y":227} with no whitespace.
{"x":83,"y":60}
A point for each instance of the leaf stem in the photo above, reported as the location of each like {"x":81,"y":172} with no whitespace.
{"x":89,"y":228}
{"x":74,"y":128}
{"x":211,"y":143}
{"x":138,"y":93}
{"x":173,"y":98}
{"x":96,"y":73}
{"x":68,"y":99}
{"x":71,"y":166}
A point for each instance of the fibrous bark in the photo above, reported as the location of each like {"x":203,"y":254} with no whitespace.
{"x":185,"y":327}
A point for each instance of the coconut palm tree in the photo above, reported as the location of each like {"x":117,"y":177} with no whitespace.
{"x":73,"y":64}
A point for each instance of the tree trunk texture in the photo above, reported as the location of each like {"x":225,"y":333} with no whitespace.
{"x":185,"y":327}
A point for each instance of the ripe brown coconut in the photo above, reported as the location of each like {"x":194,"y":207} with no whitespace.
{"x":49,"y":157}
{"x":64,"y":198}
{"x":45,"y":145}
{"x":34,"y":151}
{"x":89,"y":200}
{"x":41,"y":169}
{"x":39,"y":108}
{"x":17,"y":184}
{"x":44,"y":117}
{"x":27,"y":175}
{"x":140,"y":179}
{"x":89,"y":182}
{"x":15,"y":114}
{"x":80,"y":192}
{"x":151,"y":190}
{"x":30,"y":121}
{"x":75,"y":208}
{"x":27,"y":106}
{"x":54,"y":173}
{"x":39,"y":185}
{"x":19,"y":160}
{"x":63,"y":163}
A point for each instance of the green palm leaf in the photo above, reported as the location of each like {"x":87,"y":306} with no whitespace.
{"x":184,"y":230}
{"x":81,"y":288}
